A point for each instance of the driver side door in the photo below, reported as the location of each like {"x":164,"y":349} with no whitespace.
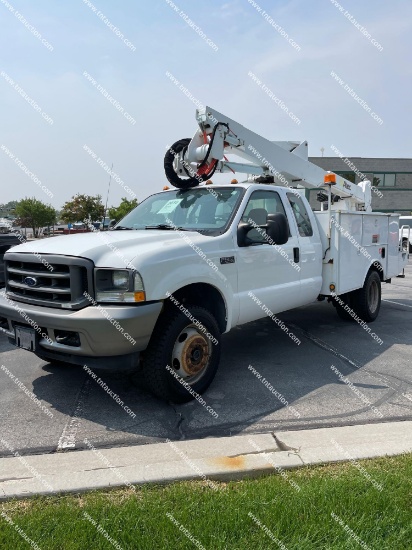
{"x":267,"y":275}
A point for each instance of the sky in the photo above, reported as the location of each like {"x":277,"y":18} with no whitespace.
{"x":295,"y":55}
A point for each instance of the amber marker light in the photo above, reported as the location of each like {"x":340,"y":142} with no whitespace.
{"x":330,"y":178}
{"x":139,"y":296}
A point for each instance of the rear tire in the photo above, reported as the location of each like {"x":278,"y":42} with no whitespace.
{"x":180,"y":353}
{"x":343,"y":313}
{"x":367,"y":300}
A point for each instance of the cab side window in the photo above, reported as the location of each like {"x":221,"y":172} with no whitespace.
{"x":260,"y":204}
{"x":301,"y":215}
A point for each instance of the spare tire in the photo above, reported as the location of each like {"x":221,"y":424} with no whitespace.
{"x":173,"y":178}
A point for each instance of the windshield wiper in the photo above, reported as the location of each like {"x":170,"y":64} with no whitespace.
{"x":120,"y":227}
{"x":165,"y":226}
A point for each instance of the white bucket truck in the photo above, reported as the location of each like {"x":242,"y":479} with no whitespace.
{"x":189,"y":264}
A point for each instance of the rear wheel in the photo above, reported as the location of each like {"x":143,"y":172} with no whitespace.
{"x":183,"y":354}
{"x":340,"y":303}
{"x":367,"y":300}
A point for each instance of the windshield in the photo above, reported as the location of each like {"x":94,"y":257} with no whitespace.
{"x":198,"y":209}
{"x":405,"y":221}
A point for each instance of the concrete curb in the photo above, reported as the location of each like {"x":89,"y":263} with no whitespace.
{"x":225,"y":458}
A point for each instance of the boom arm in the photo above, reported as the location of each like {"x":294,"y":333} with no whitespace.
{"x":285,"y":162}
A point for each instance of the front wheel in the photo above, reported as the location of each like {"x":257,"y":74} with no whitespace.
{"x":183,"y":354}
{"x":367,"y":300}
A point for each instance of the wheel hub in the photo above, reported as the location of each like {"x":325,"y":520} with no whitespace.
{"x":195,"y":354}
{"x":191,"y":354}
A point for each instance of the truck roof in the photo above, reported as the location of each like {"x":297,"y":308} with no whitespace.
{"x":244,"y":185}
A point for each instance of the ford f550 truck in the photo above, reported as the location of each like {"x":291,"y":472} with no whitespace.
{"x":188,"y":264}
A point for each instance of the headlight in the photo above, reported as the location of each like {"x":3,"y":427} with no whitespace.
{"x":120,"y":280}
{"x":119,"y":285}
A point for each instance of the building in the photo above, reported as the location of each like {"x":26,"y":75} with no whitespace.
{"x":391,"y":180}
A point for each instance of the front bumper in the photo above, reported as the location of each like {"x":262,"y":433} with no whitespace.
{"x":99,"y":336}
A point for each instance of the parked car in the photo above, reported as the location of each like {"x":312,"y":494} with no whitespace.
{"x":5,"y":225}
{"x":405,"y":234}
{"x":56,"y":230}
{"x":108,"y":223}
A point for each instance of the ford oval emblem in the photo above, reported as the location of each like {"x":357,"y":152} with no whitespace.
{"x":30,"y":281}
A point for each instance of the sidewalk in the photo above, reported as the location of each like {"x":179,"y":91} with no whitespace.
{"x":225,"y":458}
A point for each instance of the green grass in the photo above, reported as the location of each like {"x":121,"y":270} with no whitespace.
{"x":219,"y":519}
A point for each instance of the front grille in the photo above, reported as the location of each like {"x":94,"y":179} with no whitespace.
{"x":57,"y":281}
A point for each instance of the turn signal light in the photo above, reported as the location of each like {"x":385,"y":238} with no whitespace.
{"x":139,"y":296}
{"x":332,"y":287}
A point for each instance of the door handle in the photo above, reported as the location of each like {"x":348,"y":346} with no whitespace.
{"x":296,"y":255}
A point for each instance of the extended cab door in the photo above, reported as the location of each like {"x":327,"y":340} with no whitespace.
{"x":310,"y":248}
{"x":266,"y":271}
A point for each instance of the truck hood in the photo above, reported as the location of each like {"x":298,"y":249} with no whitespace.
{"x":115,"y":248}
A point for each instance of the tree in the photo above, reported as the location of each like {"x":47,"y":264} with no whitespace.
{"x":83,"y":207}
{"x":119,"y":212}
{"x":34,"y":213}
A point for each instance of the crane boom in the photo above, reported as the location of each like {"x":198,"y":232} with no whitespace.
{"x":281,"y":162}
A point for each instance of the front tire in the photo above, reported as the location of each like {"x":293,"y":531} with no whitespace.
{"x":367,"y":300}
{"x":181,"y":358}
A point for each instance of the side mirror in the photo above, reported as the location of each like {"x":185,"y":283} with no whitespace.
{"x":242,"y":230}
{"x":277,"y":228}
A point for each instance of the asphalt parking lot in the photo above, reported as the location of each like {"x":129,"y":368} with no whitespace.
{"x":380,"y":390}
